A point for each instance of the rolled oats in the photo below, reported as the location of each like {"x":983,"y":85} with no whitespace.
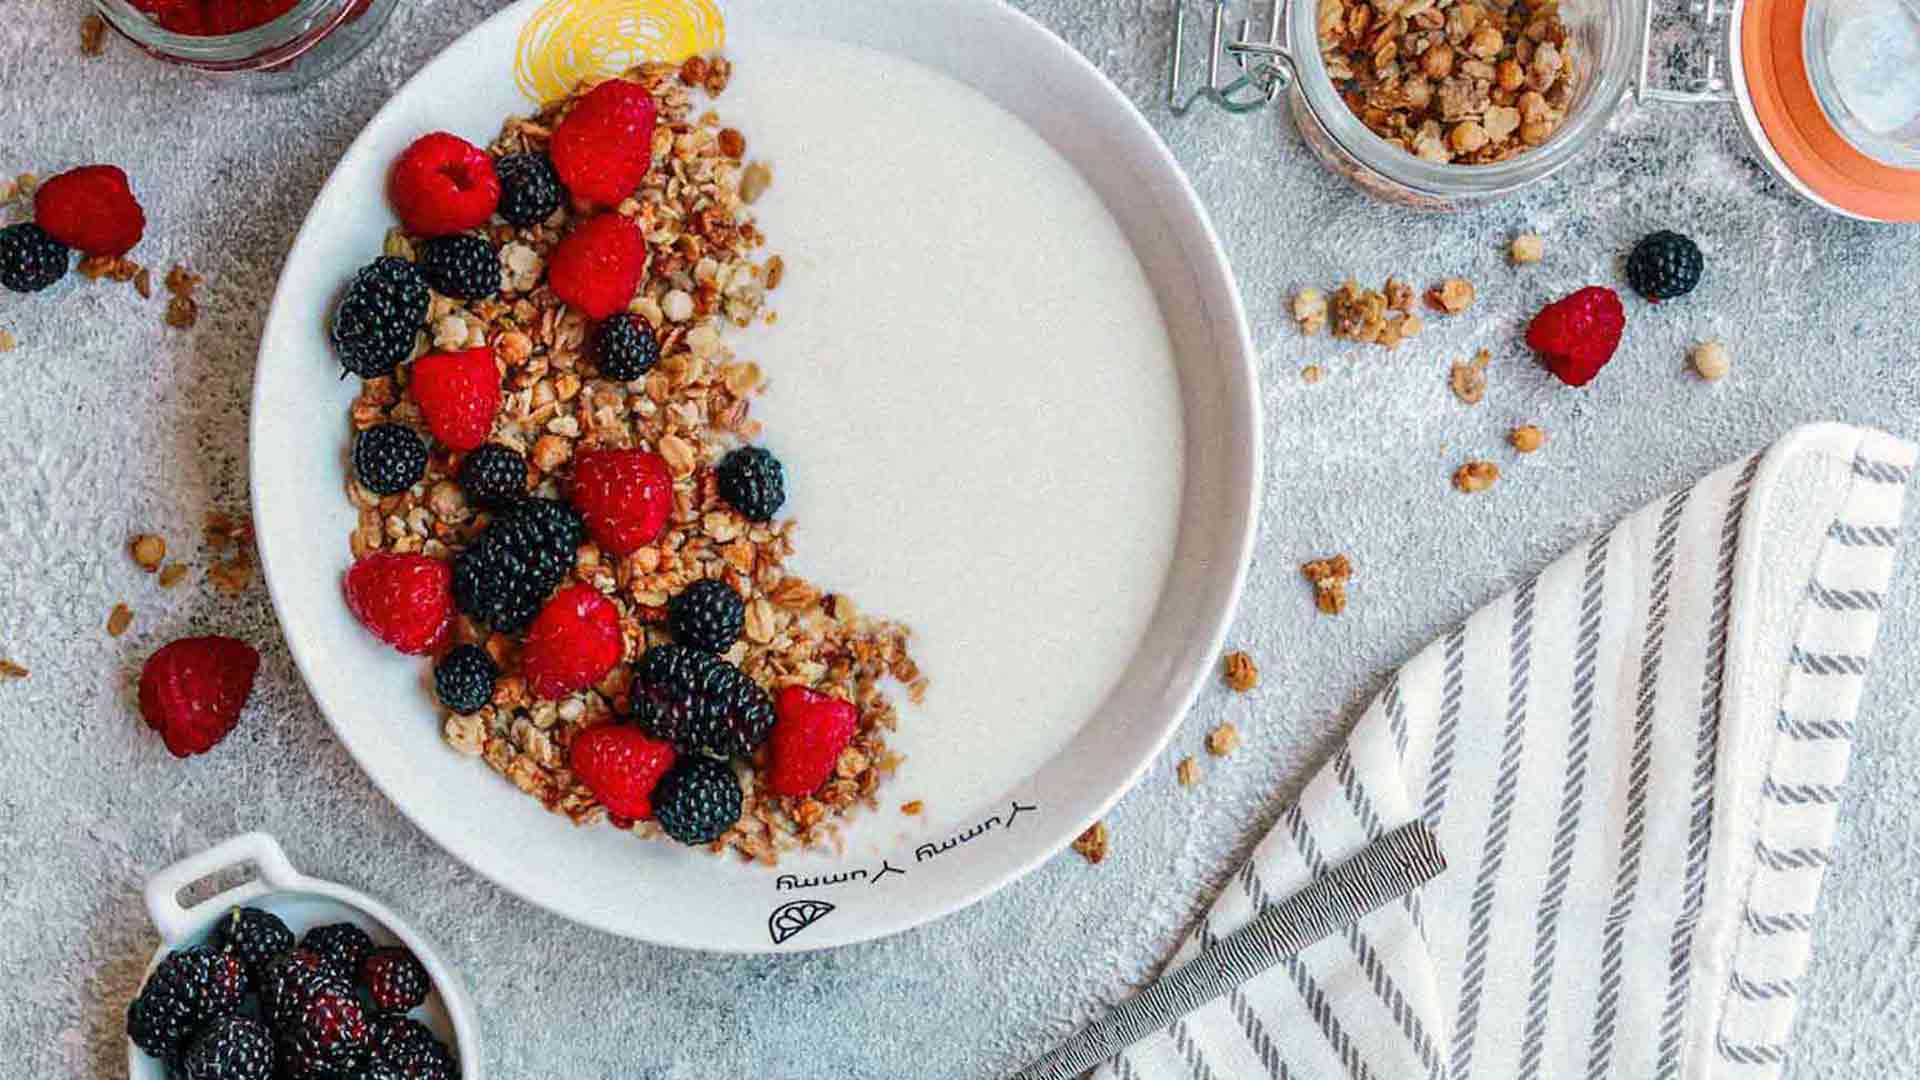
{"x":1453,"y":296}
{"x":1239,"y":672}
{"x":119,"y":619}
{"x":93,"y":35}
{"x":1468,"y":378}
{"x":1449,"y":81}
{"x":10,"y":671}
{"x":1527,"y":438}
{"x":1223,"y":740}
{"x":1526,"y":248}
{"x":1329,"y":578}
{"x":148,"y":551}
{"x":1188,"y":772}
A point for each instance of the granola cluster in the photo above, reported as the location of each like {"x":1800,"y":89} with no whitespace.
{"x":1383,"y":316}
{"x":1463,"y":82}
{"x":693,"y":407}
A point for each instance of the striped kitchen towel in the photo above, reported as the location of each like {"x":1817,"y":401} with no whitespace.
{"x":1632,"y":765}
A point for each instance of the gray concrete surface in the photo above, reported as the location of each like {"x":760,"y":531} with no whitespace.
{"x":113,"y":424}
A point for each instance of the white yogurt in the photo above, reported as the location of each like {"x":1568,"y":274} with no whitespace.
{"x":975,"y":398}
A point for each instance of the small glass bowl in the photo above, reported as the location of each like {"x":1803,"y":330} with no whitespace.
{"x":1609,"y":34}
{"x":311,"y":40}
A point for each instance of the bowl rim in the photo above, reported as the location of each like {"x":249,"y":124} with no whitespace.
{"x":1239,"y":520}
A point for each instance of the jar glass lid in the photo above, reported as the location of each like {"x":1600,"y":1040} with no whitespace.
{"x":1863,"y":59}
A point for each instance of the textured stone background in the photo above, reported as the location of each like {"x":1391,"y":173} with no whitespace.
{"x":113,"y":424}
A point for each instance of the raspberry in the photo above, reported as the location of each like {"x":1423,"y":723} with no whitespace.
{"x":753,"y":482}
{"x":406,"y":600}
{"x":698,"y":800}
{"x":529,"y":189}
{"x":699,"y":702}
{"x":464,"y":679}
{"x":603,"y":148}
{"x":1578,"y":334}
{"x":462,"y":266}
{"x":91,"y":209}
{"x":620,"y":765}
{"x":443,"y":184}
{"x":1665,"y":265}
{"x":458,"y":393}
{"x":189,"y":989}
{"x":625,"y":348}
{"x":807,"y":739}
{"x":389,"y":458}
{"x":707,"y":614}
{"x":379,"y":317}
{"x":598,"y":265}
{"x":339,"y":947}
{"x":232,"y":1048}
{"x":504,"y":576}
{"x":30,"y":260}
{"x":395,"y":981}
{"x":191,"y":691}
{"x":493,"y":476}
{"x":624,"y":496}
{"x":253,"y":935}
{"x":572,"y":644}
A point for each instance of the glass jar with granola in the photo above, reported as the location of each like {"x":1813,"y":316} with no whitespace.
{"x":280,"y":44}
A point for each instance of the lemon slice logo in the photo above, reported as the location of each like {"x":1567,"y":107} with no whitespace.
{"x":569,"y":40}
{"x":794,"y":916}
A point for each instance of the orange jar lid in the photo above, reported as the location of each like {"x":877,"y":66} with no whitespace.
{"x":1769,"y":41}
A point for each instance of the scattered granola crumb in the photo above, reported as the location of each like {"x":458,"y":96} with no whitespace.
{"x":25,"y":185}
{"x":1329,"y":578}
{"x":226,"y":530}
{"x":1223,"y":740}
{"x":1312,"y":373}
{"x":233,"y":576}
{"x":1527,"y":438}
{"x":182,"y":312}
{"x":93,"y":35}
{"x":754,"y":181}
{"x":7,"y":341}
{"x":776,"y":272}
{"x":1453,"y":296}
{"x":172,"y":575}
{"x":1469,"y":378}
{"x":912,"y":809}
{"x":1310,"y":311}
{"x":1092,"y":844}
{"x":1711,"y":360}
{"x":1240,"y":673}
{"x":1189,"y":772}
{"x":1476,"y":476}
{"x":119,"y":619}
{"x":143,"y":283}
{"x":10,"y":671}
{"x":1527,"y":248}
{"x":148,"y":550}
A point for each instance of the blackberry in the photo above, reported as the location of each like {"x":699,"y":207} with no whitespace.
{"x":233,"y":1048}
{"x":290,"y":980}
{"x":1664,"y":265}
{"x":378,"y":1070}
{"x":377,"y":320}
{"x":407,"y":1047}
{"x":395,"y":981}
{"x":253,"y":935}
{"x":700,"y":702}
{"x":464,"y":679}
{"x":30,"y":260}
{"x":625,"y":348}
{"x":493,"y":475}
{"x":506,"y":573}
{"x":752,"y":481}
{"x":529,"y":188}
{"x":707,"y":614}
{"x":698,"y":800}
{"x":340,"y":946}
{"x":329,"y":1036}
{"x":190,"y":988}
{"x":389,"y":458}
{"x":462,"y":266}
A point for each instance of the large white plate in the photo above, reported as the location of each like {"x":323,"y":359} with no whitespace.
{"x":375,"y":700}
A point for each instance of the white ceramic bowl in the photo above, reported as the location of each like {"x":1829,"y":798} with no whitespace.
{"x":302,"y":903}
{"x":376,"y":701}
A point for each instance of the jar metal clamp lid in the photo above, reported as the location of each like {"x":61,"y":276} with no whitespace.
{"x":1827,"y":91}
